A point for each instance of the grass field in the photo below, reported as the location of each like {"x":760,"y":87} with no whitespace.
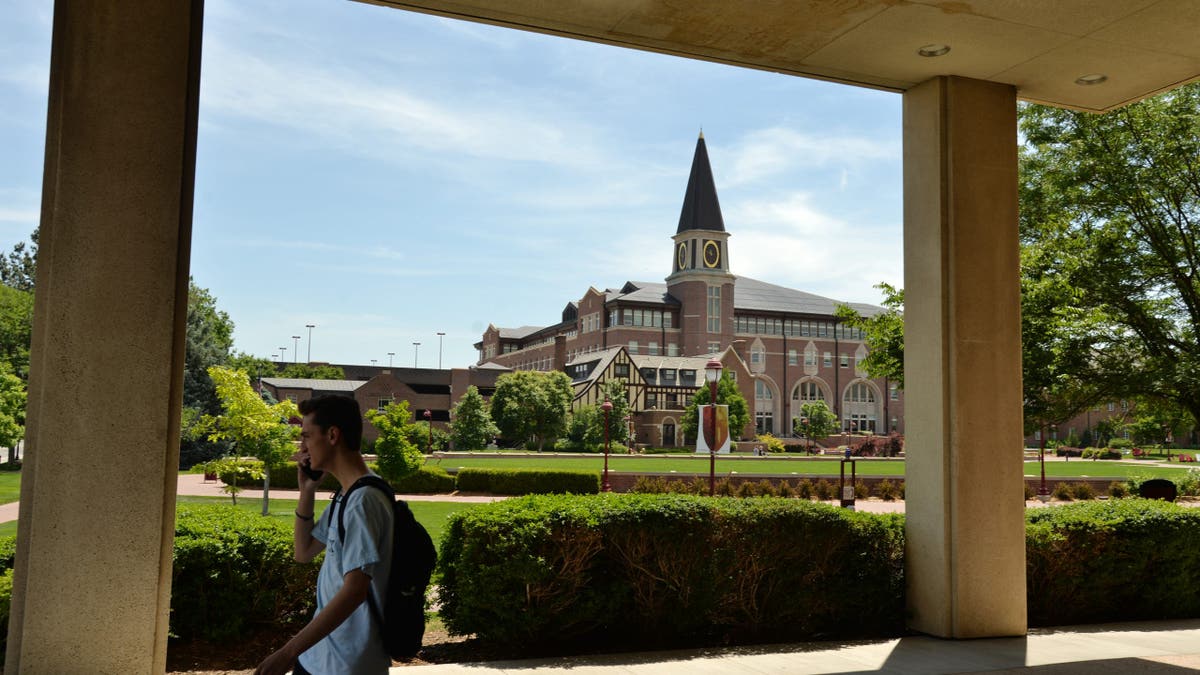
{"x":10,"y":486}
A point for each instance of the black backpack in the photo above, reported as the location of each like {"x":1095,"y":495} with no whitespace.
{"x":413,"y":560}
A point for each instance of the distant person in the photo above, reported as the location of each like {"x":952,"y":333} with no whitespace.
{"x":344,"y":637}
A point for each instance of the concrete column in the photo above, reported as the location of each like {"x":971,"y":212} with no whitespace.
{"x":962,"y":363}
{"x":91,"y":591}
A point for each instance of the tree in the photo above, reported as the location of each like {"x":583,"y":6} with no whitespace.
{"x":1113,"y":202}
{"x":585,"y":429}
{"x":209,"y":339}
{"x":16,"y":329}
{"x":254,"y":427}
{"x":310,"y":371}
{"x":532,"y":406}
{"x":398,"y":456}
{"x":18,"y":270}
{"x":816,"y":421}
{"x":727,"y":394}
{"x":12,"y":410}
{"x":472,"y":428}
{"x":255,"y":366}
{"x":618,"y":430}
{"x":882,"y":333}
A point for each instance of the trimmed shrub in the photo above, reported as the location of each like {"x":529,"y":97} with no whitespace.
{"x":861,"y":491}
{"x":8,"y":551}
{"x":1120,"y":443}
{"x":1117,"y":489}
{"x":805,"y":489}
{"x":1062,"y":492}
{"x":771,"y":444}
{"x":824,"y":490}
{"x":1120,"y":560}
{"x":427,"y":480}
{"x":639,"y":571}
{"x":528,"y":481}
{"x":1083,"y":491}
{"x":233,"y":571}
{"x":1030,"y":493}
{"x":886,"y":490}
{"x":785,"y":490}
{"x":1067,"y":451}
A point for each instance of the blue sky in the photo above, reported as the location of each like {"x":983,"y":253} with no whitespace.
{"x":388,"y":175}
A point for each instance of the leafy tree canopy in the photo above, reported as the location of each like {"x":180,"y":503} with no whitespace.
{"x":816,"y":420}
{"x":314,"y":371}
{"x":398,"y":455}
{"x":209,"y":339}
{"x":532,"y":406}
{"x":18,"y":269}
{"x":472,"y":428}
{"x":16,"y":329}
{"x":1111,"y":203}
{"x":883,"y":334}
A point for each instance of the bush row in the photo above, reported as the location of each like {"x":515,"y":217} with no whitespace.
{"x":427,"y":479}
{"x":1119,"y":560}
{"x":805,"y":488}
{"x":528,"y":481}
{"x":668,"y":570}
{"x":233,"y":573}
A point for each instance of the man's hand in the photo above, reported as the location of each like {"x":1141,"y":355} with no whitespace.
{"x":278,"y":663}
{"x":305,"y":483}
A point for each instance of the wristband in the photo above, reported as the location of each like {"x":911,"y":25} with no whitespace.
{"x":303,"y":517}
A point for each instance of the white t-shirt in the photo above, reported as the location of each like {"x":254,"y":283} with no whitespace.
{"x":355,"y":647}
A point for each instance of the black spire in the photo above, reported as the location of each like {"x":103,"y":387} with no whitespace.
{"x":701,"y":210}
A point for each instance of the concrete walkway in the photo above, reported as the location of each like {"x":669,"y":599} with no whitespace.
{"x":1143,"y":647}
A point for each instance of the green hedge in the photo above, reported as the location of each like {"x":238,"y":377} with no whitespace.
{"x":1119,"y":560}
{"x":234,"y":571}
{"x":530,"y":481}
{"x":427,"y":480}
{"x":668,"y":570}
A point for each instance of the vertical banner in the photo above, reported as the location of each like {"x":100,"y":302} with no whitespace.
{"x":705,"y":436}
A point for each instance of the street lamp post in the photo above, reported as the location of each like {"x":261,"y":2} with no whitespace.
{"x":390,"y":355}
{"x":607,"y":407}
{"x":282,"y":354}
{"x":1043,"y":494}
{"x":429,"y":423}
{"x":1167,"y":440}
{"x":440,"y":336}
{"x":295,"y":349}
{"x":712,"y":373}
{"x":310,"y":326}
{"x":416,"y":348}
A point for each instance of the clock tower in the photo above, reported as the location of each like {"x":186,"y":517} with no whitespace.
{"x":700,"y":278}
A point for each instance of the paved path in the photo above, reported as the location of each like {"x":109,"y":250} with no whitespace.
{"x":1156,"y":647}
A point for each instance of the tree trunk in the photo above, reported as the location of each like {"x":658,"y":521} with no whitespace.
{"x":266,"y":502}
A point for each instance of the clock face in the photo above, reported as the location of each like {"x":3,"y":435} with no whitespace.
{"x":681,"y":255}
{"x":712,"y":253}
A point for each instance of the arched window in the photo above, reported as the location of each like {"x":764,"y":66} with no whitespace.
{"x":808,"y":391}
{"x":761,"y":391}
{"x":859,"y":392}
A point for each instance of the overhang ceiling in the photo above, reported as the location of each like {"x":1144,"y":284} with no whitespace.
{"x":1043,"y":47}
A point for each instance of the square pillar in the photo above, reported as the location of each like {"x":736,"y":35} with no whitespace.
{"x":964,"y":496}
{"x":92,"y":578}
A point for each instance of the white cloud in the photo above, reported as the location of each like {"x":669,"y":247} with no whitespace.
{"x":766,"y":152}
{"x":26,"y":216}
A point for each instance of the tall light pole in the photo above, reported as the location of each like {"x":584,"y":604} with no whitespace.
{"x":712,"y":373}
{"x":607,"y":408}
{"x":390,"y":355}
{"x":295,"y":349}
{"x":429,"y":423}
{"x":310,"y":326}
{"x":282,"y":354}
{"x":1043,"y":494}
{"x":416,"y":348}
{"x":440,"y":336}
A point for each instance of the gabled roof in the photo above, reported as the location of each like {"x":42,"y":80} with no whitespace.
{"x":754,"y":295}
{"x":695,"y":363}
{"x":319,"y":385}
{"x":518,"y":333}
{"x":490,"y":365}
{"x":644,"y":291}
{"x":701,"y":210}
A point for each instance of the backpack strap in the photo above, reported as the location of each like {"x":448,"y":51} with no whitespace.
{"x":368,"y":480}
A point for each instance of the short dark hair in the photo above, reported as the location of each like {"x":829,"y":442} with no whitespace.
{"x":331,"y":410}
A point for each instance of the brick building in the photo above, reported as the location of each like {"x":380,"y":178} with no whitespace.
{"x":785,"y":347}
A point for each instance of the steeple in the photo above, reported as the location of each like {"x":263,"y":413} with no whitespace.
{"x":701,"y":210}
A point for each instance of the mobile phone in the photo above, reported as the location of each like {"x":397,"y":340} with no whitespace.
{"x":311,"y":472}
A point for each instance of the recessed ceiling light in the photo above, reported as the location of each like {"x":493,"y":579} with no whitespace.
{"x":933,"y":50}
{"x":1089,"y":80}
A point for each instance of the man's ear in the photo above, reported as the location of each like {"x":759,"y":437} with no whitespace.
{"x":335,"y":435}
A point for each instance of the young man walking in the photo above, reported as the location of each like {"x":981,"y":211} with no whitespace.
{"x":344,"y":637}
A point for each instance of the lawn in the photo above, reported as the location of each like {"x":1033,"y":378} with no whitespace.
{"x":10,"y":486}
